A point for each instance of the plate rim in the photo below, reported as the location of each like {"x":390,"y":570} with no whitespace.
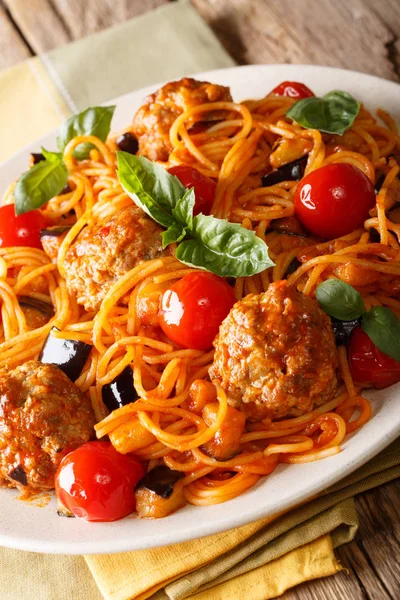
{"x":240,"y":518}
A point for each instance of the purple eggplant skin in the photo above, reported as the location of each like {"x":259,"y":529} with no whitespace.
{"x":342,"y":330}
{"x":293,"y":171}
{"x":128,"y":143}
{"x":160,"y":480}
{"x":55,"y":231}
{"x":121,"y":391}
{"x":44,"y":307}
{"x":68,"y":355}
{"x":293,"y":266}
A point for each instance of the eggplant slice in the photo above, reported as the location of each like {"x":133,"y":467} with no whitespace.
{"x":293,"y":171}
{"x":343,"y":329}
{"x":45,"y":308}
{"x":68,"y":355}
{"x":159,"y":493}
{"x":121,"y":391}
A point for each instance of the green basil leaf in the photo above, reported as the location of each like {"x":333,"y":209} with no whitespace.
{"x":183,"y":211}
{"x":92,"y":121}
{"x":39,"y":184}
{"x":51,"y":156}
{"x":174,"y":233}
{"x":334,"y":113}
{"x":383,"y":328}
{"x":226,"y":249}
{"x":82,"y":151}
{"x":340,"y":300}
{"x":150,"y":186}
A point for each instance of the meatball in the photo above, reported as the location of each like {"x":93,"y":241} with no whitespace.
{"x":52,"y":238}
{"x":153,"y":120}
{"x":43,"y":415}
{"x":275,"y":354}
{"x":103,"y":253}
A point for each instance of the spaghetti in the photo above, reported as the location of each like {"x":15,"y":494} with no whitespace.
{"x":160,"y":427}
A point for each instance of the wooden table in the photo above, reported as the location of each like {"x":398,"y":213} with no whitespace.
{"x":357,"y":34}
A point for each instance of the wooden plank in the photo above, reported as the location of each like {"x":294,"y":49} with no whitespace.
{"x":39,"y":23}
{"x":341,"y":34}
{"x":47,"y":24}
{"x":379,"y":534}
{"x":343,"y":585}
{"x":371,"y":560}
{"x":12,"y":46}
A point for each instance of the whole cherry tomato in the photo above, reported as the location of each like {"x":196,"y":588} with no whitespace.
{"x":334,"y":200}
{"x":368,"y":365}
{"x":96,"y":483}
{"x":193,"y":309}
{"x":21,"y":230}
{"x":204,"y":187}
{"x":293,"y":89}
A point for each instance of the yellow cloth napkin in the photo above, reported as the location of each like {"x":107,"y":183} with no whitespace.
{"x":257,"y":561}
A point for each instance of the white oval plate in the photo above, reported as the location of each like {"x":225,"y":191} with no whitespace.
{"x":28,"y":527}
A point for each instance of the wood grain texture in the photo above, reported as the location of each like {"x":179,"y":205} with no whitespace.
{"x":46,"y":24}
{"x":371,"y":560}
{"x":13,"y":49}
{"x":353,"y":34}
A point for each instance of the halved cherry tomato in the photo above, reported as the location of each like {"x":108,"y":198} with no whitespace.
{"x":96,"y":483}
{"x":21,"y":230}
{"x":368,"y":365}
{"x":193,"y":309}
{"x":293,"y":89}
{"x":204,"y":187}
{"x":334,"y":200}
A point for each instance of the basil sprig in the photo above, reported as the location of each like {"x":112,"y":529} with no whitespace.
{"x":39,"y":184}
{"x":383,"y":328}
{"x":333,"y":113}
{"x":47,"y":178}
{"x":341,"y":301}
{"x":226,"y":249}
{"x":92,"y":121}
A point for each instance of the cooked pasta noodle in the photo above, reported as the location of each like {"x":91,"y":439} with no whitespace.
{"x":235,"y":151}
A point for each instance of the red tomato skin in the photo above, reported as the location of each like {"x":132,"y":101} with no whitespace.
{"x":96,"y":483}
{"x":21,"y":230}
{"x":334,"y":200}
{"x":204,"y":187}
{"x":193,"y":309}
{"x":292,"y":89}
{"x":368,"y":365}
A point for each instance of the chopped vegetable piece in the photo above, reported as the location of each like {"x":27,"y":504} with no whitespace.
{"x":226,"y":442}
{"x":119,"y":392}
{"x":69,"y":355}
{"x":293,"y":171}
{"x":343,"y":330}
{"x":131,"y":436}
{"x":55,"y":231}
{"x":128,"y":143}
{"x":159,"y":493}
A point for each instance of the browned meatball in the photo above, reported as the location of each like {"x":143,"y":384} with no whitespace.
{"x":103,"y":253}
{"x":42,"y":416}
{"x":153,"y":120}
{"x":276,"y":355}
